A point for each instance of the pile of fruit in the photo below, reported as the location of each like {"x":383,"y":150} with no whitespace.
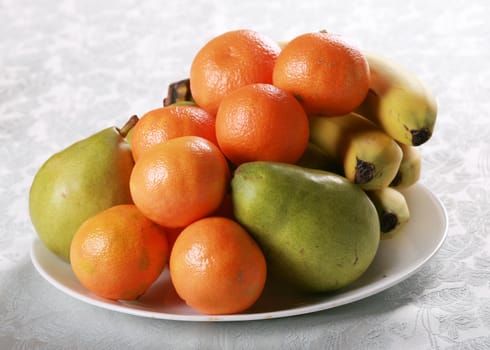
{"x":272,"y":162}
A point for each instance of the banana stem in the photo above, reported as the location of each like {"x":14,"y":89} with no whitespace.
{"x":128,"y":126}
{"x":178,"y":91}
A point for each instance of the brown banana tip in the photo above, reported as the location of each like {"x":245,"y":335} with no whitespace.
{"x":364,"y":172}
{"x":420,"y":136}
{"x":388,"y":221}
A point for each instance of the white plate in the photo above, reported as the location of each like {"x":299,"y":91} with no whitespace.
{"x":396,"y":260}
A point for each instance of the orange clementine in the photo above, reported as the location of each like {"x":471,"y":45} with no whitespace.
{"x":228,"y":61}
{"x":216,"y":267}
{"x":162,"y":124}
{"x":329,"y":75}
{"x":118,"y":253}
{"x":261,"y":122}
{"x":180,"y":181}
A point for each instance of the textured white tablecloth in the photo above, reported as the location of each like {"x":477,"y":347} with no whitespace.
{"x":70,"y":68}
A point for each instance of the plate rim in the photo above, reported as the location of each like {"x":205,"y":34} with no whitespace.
{"x":347,"y":297}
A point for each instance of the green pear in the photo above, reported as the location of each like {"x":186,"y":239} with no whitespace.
{"x":78,"y":182}
{"x":318,"y":231}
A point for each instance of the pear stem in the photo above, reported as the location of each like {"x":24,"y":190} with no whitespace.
{"x":128,"y":126}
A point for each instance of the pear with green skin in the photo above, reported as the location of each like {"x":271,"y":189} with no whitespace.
{"x":85,"y":178}
{"x":318,"y":231}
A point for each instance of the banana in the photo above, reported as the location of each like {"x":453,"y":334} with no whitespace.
{"x":398,"y":102}
{"x":367,"y":155}
{"x":315,"y":158}
{"x":392,"y":209}
{"x":410,"y":167}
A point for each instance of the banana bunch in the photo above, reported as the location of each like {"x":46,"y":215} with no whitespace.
{"x":375,"y":146}
{"x":356,"y":148}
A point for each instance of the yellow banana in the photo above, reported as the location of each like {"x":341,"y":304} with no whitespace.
{"x":410,"y":167}
{"x":398,"y":102}
{"x":315,"y":158}
{"x":392,"y":209}
{"x":367,"y":155}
